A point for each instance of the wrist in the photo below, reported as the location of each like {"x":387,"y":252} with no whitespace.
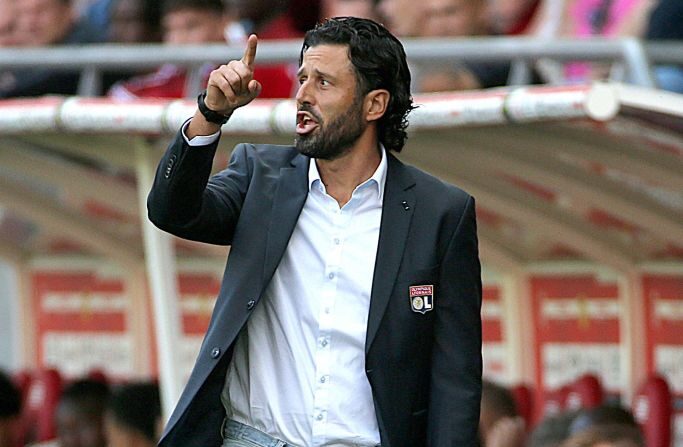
{"x":209,"y":115}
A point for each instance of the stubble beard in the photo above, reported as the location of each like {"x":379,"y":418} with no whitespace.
{"x":331,"y":141}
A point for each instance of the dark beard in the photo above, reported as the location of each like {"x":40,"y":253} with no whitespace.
{"x":332,"y":141}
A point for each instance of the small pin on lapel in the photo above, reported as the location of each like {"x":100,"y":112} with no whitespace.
{"x":405,"y":205}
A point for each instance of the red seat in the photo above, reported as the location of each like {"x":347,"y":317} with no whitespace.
{"x":585,"y":392}
{"x":524,"y":401}
{"x":39,"y":406}
{"x":652,"y":408}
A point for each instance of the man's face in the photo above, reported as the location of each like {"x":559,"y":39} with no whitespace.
{"x":79,"y":428}
{"x":330,"y":109}
{"x":192,"y":26}
{"x":43,"y":22}
{"x":127,"y":24}
{"x":404,"y":18}
{"x":453,"y":18}
{"x":348,"y":8}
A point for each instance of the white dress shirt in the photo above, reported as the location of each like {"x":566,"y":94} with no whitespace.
{"x":298,"y":370}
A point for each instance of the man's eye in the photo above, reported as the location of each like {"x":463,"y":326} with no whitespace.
{"x":324,"y":82}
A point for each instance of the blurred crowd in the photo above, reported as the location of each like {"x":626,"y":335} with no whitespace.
{"x":92,"y":412}
{"x":38,"y":23}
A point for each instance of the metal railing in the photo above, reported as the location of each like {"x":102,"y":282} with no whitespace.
{"x":93,"y":60}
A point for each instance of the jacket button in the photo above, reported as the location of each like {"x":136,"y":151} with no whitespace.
{"x":251,"y":304}
{"x":215,"y":353}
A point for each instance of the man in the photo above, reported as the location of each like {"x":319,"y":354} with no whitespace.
{"x":184,"y":22}
{"x":133,"y":415}
{"x":80,"y":414}
{"x":404,"y":18}
{"x":349,"y":312}
{"x":459,"y":18}
{"x":44,"y":23}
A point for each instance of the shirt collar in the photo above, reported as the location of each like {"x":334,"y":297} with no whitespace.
{"x":378,"y":178}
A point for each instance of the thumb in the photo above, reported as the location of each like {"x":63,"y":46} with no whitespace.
{"x":255,"y":88}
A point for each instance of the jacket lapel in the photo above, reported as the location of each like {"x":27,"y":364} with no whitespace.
{"x":289,"y":199}
{"x":397,"y":212}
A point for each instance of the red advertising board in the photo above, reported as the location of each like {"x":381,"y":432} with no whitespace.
{"x":576,"y":324}
{"x":663,"y":295}
{"x":81,"y":322}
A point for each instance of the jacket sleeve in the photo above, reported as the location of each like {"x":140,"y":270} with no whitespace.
{"x":456,"y":358}
{"x":188,"y":202}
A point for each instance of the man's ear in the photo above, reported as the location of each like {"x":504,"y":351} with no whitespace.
{"x":376,"y":103}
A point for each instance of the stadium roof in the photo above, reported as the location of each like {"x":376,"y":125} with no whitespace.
{"x":559,"y":173}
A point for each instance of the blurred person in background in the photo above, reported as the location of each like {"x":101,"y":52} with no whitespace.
{"x":499,"y":422}
{"x":512,"y":17}
{"x":365,"y":9}
{"x":552,"y":431}
{"x":80,"y":415}
{"x":581,"y":19}
{"x":8,"y":35}
{"x":133,"y":416}
{"x":134,"y":21}
{"x":666,"y":23}
{"x":458,"y":18}
{"x":609,"y":435}
{"x":601,"y":415}
{"x":404,"y":18}
{"x":10,"y":412}
{"x":184,"y":22}
{"x":42,"y":23}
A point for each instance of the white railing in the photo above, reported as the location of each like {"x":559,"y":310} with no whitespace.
{"x":93,"y":60}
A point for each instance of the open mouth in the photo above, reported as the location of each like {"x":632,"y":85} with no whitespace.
{"x":305,"y":123}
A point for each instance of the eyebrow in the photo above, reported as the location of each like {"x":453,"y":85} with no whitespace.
{"x":319,"y":73}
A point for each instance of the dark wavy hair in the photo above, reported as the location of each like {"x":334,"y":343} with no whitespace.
{"x":379,"y":61}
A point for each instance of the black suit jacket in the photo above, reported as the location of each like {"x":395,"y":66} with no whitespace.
{"x":424,"y":369}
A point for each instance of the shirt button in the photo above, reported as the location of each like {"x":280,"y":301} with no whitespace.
{"x":331,"y":275}
{"x":323,"y":343}
{"x":215,"y":353}
{"x":251,"y":304}
{"x":323,"y":379}
{"x":336,"y":241}
{"x":320,"y":417}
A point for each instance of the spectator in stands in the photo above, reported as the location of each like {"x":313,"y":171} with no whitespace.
{"x":601,"y":415}
{"x":499,"y":423}
{"x":551,"y":431}
{"x":512,"y":17}
{"x":184,"y":22}
{"x":609,"y":435}
{"x":348,"y":8}
{"x":404,"y":18}
{"x":459,"y":18}
{"x":80,"y":414}
{"x":10,"y":411}
{"x":46,"y":23}
{"x":666,"y":23}
{"x":133,"y":416}
{"x":8,"y":35}
{"x":134,"y":21}
{"x":597,"y":18}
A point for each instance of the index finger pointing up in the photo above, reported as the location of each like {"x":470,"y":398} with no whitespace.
{"x":250,"y":51}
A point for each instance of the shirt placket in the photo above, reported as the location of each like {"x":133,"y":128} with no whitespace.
{"x":339,"y":221}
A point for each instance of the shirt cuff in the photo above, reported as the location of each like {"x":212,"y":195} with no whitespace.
{"x":199,"y":140}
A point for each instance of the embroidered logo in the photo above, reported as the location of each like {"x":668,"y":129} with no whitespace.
{"x":422,"y":298}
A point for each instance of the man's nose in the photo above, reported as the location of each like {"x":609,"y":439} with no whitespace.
{"x":303,"y":94}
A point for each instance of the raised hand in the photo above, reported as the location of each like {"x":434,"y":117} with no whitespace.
{"x":233,"y":85}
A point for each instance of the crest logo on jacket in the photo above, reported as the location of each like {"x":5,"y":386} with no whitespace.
{"x":422,"y":298}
